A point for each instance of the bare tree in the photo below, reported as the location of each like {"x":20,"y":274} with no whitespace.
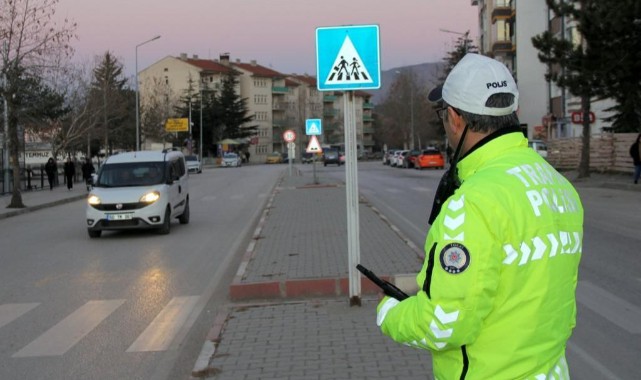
{"x":158,"y":104}
{"x":33,"y":43}
{"x":71,"y":131}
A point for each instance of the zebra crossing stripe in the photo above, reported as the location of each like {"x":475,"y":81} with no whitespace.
{"x":61,"y":337}
{"x":162,"y":330}
{"x":12,"y":311}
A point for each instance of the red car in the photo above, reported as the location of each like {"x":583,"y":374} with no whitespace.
{"x":430,"y":158}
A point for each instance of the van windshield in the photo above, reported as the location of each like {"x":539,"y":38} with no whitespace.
{"x":131,"y":174}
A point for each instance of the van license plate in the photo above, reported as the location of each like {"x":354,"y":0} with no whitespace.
{"x":120,"y":216}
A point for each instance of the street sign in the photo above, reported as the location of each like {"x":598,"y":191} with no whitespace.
{"x":348,"y":58}
{"x":289,"y":135}
{"x":313,"y":127}
{"x":313,"y":146}
{"x":577,"y":117}
{"x":177,"y":125}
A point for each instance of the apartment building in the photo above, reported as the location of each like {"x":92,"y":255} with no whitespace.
{"x":277,"y":101}
{"x":506,"y":28}
{"x":504,"y":39}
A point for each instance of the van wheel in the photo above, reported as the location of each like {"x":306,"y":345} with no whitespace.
{"x":94,"y":233}
{"x":184,"y":218}
{"x":166,"y":225}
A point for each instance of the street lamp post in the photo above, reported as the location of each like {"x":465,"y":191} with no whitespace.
{"x":137,"y":106}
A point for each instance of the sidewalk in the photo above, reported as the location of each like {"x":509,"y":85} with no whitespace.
{"x":289,"y":315}
{"x":38,"y":199}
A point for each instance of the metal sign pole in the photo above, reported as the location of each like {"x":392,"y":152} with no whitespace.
{"x":353,"y":232}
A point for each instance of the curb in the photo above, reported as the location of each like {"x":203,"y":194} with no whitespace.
{"x":41,"y":206}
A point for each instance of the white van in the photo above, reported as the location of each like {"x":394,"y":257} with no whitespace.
{"x":139,"y":190}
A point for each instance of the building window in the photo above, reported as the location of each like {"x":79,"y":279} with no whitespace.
{"x":166,"y":69}
{"x":260,"y":99}
{"x":502,"y":31}
{"x":261,"y":116}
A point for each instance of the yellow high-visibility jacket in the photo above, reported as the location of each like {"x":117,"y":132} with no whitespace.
{"x":496,"y":295}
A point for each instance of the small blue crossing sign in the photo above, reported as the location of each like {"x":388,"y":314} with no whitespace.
{"x":313,"y":127}
{"x":348,"y":58}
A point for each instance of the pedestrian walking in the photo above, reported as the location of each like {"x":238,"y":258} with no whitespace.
{"x":51,"y":169}
{"x":497,"y":289}
{"x":87,"y":170}
{"x":69,"y":170}
{"x":636,"y":158}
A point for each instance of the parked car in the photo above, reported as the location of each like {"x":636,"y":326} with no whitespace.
{"x":539,"y":146}
{"x":430,"y":158}
{"x":307,"y":158}
{"x":286,"y":158}
{"x":331,"y":156}
{"x":400,"y":158}
{"x":410,"y":160}
{"x":193,"y":164}
{"x":137,"y":190}
{"x":394,"y":157}
{"x":387,"y":156}
{"x":274,"y":158}
{"x":231,"y":160}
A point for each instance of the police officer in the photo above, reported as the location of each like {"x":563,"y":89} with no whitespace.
{"x":496,"y":295}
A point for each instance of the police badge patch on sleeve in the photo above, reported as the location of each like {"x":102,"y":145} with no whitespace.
{"x":455,"y":258}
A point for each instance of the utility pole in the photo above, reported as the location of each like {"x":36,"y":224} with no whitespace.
{"x":5,"y":148}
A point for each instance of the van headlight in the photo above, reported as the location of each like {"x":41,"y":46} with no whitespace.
{"x":93,"y":200}
{"x":150,"y":197}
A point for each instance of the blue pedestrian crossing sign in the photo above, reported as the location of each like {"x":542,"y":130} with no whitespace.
{"x":348,"y":58}
{"x":313,"y":127}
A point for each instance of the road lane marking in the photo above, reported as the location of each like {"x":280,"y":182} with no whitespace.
{"x":12,"y":311}
{"x":159,"y":334}
{"x":615,"y":309}
{"x":421,"y":189}
{"x":61,"y":337}
{"x":592,"y":362}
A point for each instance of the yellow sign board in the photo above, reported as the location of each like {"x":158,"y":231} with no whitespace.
{"x":177,"y":125}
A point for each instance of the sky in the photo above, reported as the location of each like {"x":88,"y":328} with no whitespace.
{"x":279,"y":34}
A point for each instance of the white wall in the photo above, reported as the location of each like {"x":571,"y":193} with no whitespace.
{"x":531,"y":19}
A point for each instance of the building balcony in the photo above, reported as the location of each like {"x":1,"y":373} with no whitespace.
{"x":330,"y":113}
{"x":368,"y":106}
{"x":368,"y":141}
{"x":368,"y":130}
{"x":279,"y":123}
{"x":367,"y":118}
{"x":502,"y":47}
{"x":280,"y":90}
{"x":329,"y":98}
{"x":502,"y":11}
{"x":279,"y":106}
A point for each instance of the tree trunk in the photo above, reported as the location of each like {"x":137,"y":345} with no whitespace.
{"x":16,"y":196}
{"x":584,"y":164}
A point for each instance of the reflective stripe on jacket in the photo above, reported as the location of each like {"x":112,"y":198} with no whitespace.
{"x":497,"y":289}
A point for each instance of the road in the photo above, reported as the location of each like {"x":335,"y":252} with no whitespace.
{"x":129,"y":305}
{"x":606,"y":343}
{"x":139,"y":305}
